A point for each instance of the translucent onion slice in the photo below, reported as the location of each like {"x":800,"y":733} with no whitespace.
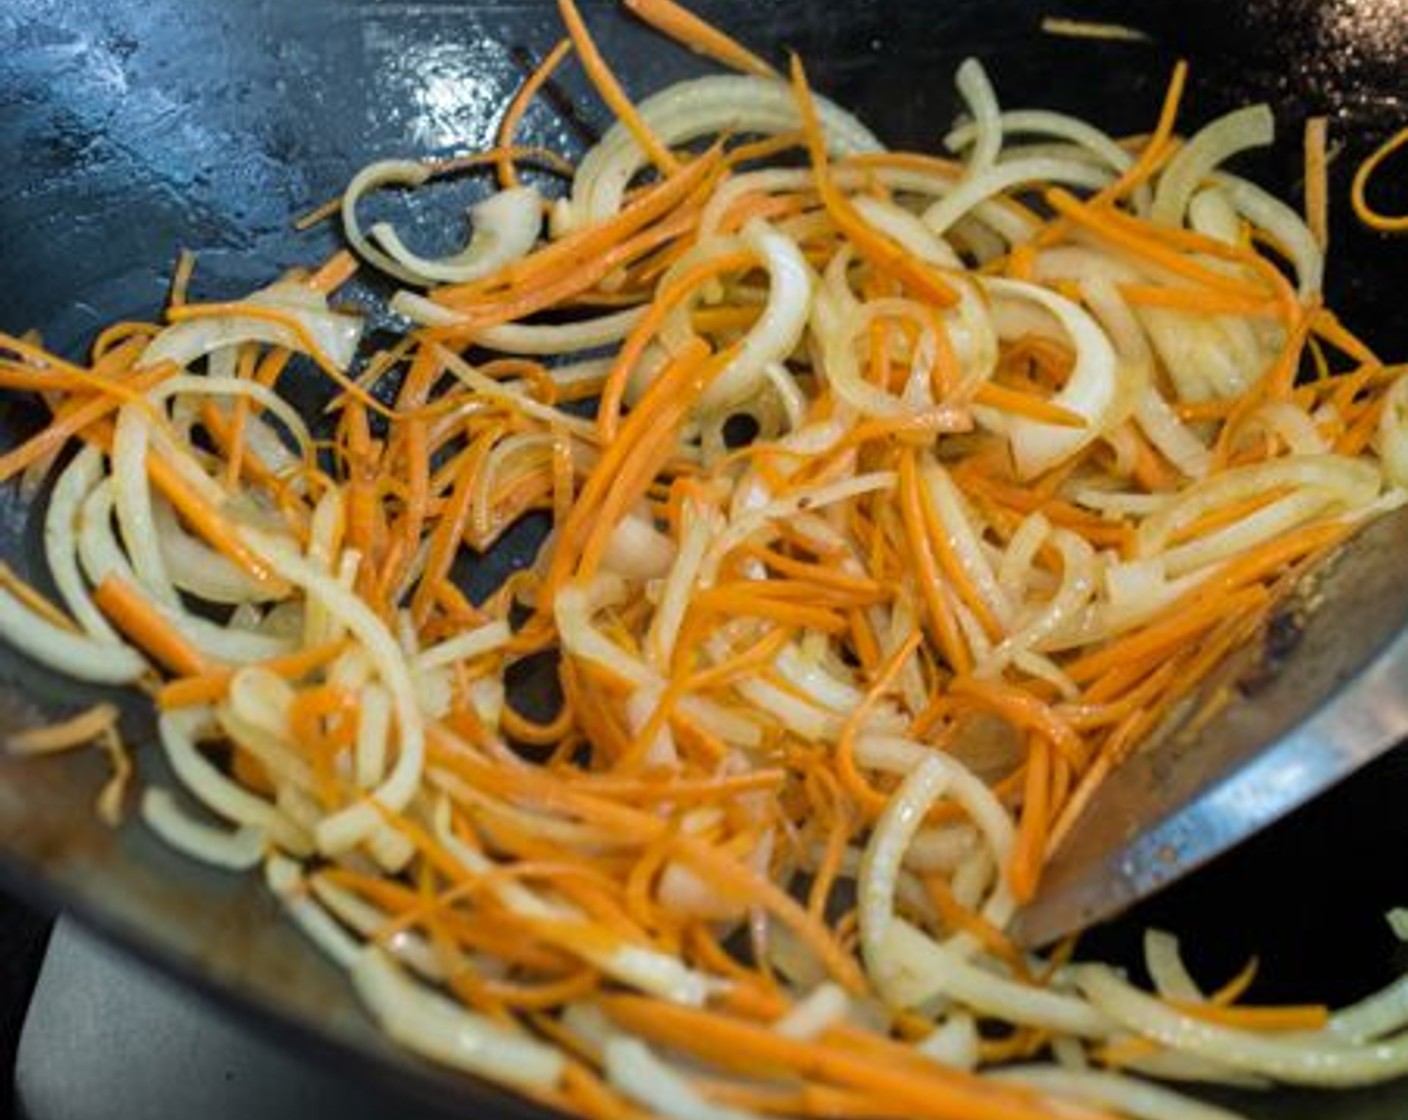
{"x":506,"y":226}
{"x":690,"y":110}
{"x":1392,"y":441}
{"x":1164,"y":963}
{"x":349,"y":826}
{"x":635,"y":1070}
{"x":1285,"y":226}
{"x":71,"y":490}
{"x":904,"y":812}
{"x":334,"y":333}
{"x":1043,"y":122}
{"x":1351,"y":483}
{"x":1317,"y":1058}
{"x":1090,"y":391}
{"x":220,"y":794}
{"x":954,"y":1043}
{"x":925,"y":971}
{"x":431,"y":1025}
{"x":778,"y":330}
{"x":1099,"y":1089}
{"x":1002,"y":177}
{"x":1250,"y":127}
{"x":234,"y":851}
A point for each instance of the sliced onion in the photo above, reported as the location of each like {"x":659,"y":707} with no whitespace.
{"x":1098,"y":1089}
{"x":1249,"y":127}
{"x":446,"y":1032}
{"x":1392,"y":443}
{"x":66,"y":651}
{"x":1349,"y":482}
{"x":61,"y":542}
{"x":954,"y":1043}
{"x":505,"y":225}
{"x":347,"y":827}
{"x":965,"y":540}
{"x":233,"y":851}
{"x":689,"y":110}
{"x":924,"y":970}
{"x":978,"y":94}
{"x":1002,"y":177}
{"x":776,"y":333}
{"x":1042,"y":122}
{"x":218,"y":793}
{"x":904,"y":812}
{"x":1090,"y":391}
{"x":334,"y":333}
{"x":635,"y":1071}
{"x":1309,"y":1059}
{"x":1287,"y":228}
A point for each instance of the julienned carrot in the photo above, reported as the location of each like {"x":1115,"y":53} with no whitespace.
{"x":633,"y":824}
{"x":1023,"y":710}
{"x":931,"y":585}
{"x":732,"y":1044}
{"x":870,"y":801}
{"x":1027,"y":405}
{"x":569,"y":278}
{"x":334,"y":272}
{"x":1197,"y":300}
{"x":875,"y":246}
{"x":304,"y":341}
{"x":144,"y":625}
{"x":1157,"y":147}
{"x":668,"y":394}
{"x":1141,"y":241}
{"x":1033,"y":827}
{"x":690,"y":31}
{"x":513,"y":114}
{"x":212,"y":525}
{"x":1308,"y":1017}
{"x":610,"y":89}
{"x":581,"y":246}
{"x":1359,"y":188}
{"x":75,"y":419}
{"x":666,"y":300}
{"x":1317,"y":185}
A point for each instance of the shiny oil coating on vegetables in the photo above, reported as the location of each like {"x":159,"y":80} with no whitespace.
{"x":1040,"y":430}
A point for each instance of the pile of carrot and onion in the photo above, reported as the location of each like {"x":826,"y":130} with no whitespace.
{"x":892,"y":499}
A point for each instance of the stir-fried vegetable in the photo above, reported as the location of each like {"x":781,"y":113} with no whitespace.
{"x":893,"y":500}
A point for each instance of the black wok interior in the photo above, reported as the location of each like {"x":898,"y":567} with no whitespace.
{"x":133,"y":128}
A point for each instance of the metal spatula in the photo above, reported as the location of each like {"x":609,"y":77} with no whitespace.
{"x":1326,"y":692}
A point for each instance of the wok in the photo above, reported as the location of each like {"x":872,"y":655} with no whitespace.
{"x":131,"y":128}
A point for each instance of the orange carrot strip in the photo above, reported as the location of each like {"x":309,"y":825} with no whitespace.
{"x":1290,"y":1017}
{"x":140,"y":621}
{"x":66,"y":734}
{"x":76,"y":418}
{"x":1317,"y":186}
{"x":931,"y":586}
{"x":185,"y":692}
{"x":1359,"y":188}
{"x":940,"y":1093}
{"x":879,"y":249}
{"x":1025,"y":404}
{"x":334,"y":272}
{"x":513,"y":115}
{"x":690,"y":31}
{"x":611,"y":92}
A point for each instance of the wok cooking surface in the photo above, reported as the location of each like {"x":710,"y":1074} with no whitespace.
{"x":137,"y":127}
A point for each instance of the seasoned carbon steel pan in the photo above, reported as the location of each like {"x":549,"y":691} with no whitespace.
{"x":133,"y":128}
